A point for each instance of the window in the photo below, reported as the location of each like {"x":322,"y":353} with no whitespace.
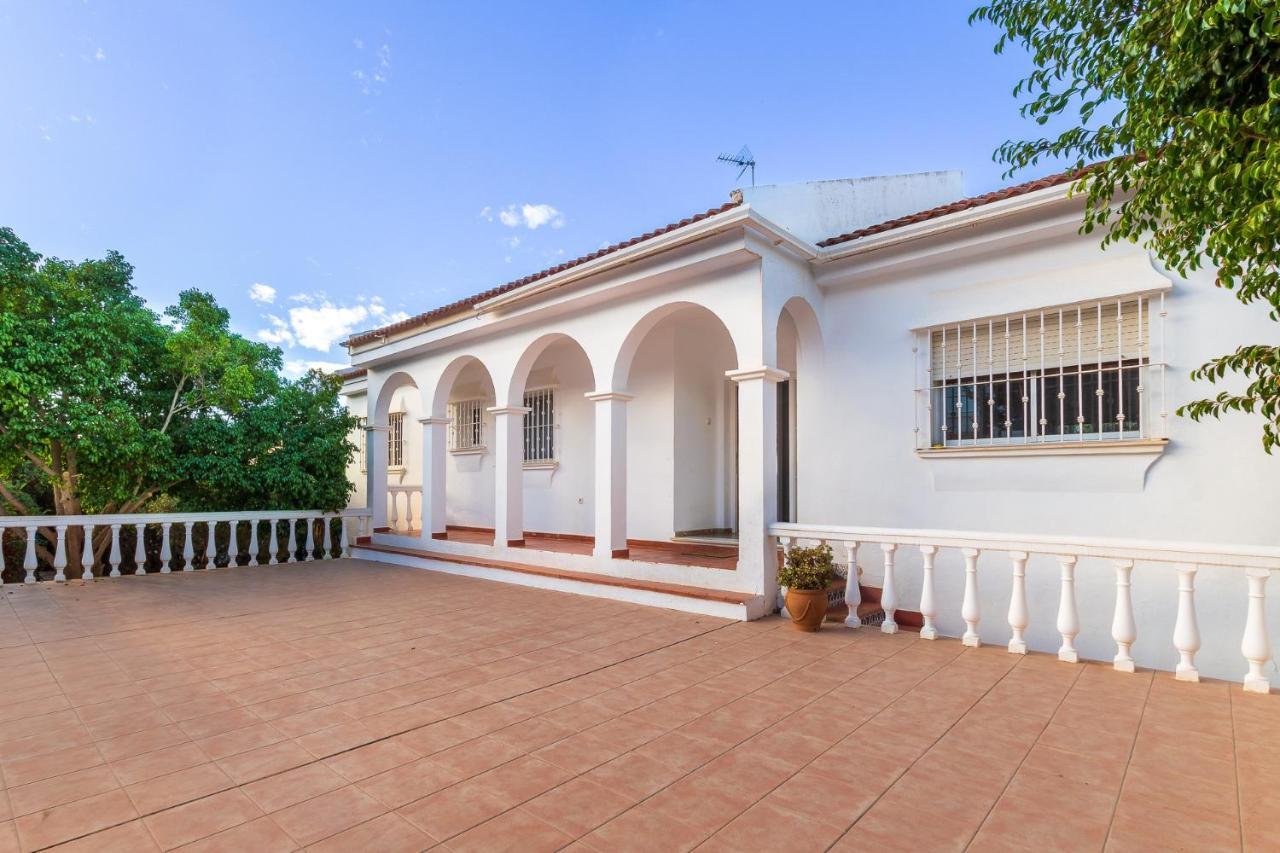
{"x":1069,"y":373}
{"x":362,"y":445}
{"x":466,"y":425}
{"x":395,"y":440}
{"x":539,"y":426}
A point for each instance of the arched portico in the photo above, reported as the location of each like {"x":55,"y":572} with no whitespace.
{"x":798,"y":336}
{"x":377,"y":443}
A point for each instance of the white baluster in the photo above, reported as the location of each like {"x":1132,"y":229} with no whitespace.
{"x":785,"y":542}
{"x":293,"y":541}
{"x":86,"y":553}
{"x":211,"y":544}
{"x":29,"y":562}
{"x":1019,"y":618}
{"x":393,"y":504}
{"x":273,"y":543}
{"x":1123,"y":629}
{"x":928,"y":609}
{"x":852,"y":589}
{"x":115,"y":551}
{"x":889,"y":594}
{"x":188,"y":547}
{"x":1068,"y":616}
{"x":254,"y":549}
{"x":140,"y":549}
{"x":60,"y":554}
{"x":1256,"y":645}
{"x":166,"y":547}
{"x":1186,"y":632}
{"x":344,"y":535}
{"x":970,"y":609}
{"x":311,"y":540}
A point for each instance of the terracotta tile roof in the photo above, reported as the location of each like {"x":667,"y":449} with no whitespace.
{"x":466,"y":304}
{"x":957,"y":206}
{"x":349,"y":373}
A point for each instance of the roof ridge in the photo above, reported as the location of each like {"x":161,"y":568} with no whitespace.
{"x":470,"y":301}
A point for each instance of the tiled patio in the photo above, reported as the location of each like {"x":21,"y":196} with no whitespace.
{"x":354,"y":706}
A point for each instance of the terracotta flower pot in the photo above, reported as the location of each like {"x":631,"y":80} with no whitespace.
{"x":808,"y":607}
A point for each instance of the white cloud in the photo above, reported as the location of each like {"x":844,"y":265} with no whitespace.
{"x":359,"y":43}
{"x":531,"y":216}
{"x":317,"y":323}
{"x":293,"y":368}
{"x":513,"y":242}
{"x":264,"y":294}
{"x":486,"y":213}
{"x":100,"y":55}
{"x":372,"y":79}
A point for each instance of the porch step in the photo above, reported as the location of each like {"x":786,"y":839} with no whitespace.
{"x":869,"y":614}
{"x":715,"y":602}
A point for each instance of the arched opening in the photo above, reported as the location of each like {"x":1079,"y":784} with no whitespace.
{"x":463,"y":397}
{"x":681,"y":425}
{"x":799,"y":353}
{"x":551,"y":380}
{"x":395,"y":467}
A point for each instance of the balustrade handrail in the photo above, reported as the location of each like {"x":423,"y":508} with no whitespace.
{"x":175,"y":517}
{"x":1195,"y":553}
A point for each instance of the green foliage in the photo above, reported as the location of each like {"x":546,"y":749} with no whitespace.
{"x":107,"y":407}
{"x":1176,"y":104}
{"x":808,"y":568}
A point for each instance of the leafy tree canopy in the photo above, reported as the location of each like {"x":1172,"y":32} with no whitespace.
{"x":107,"y":407}
{"x":1176,"y":104}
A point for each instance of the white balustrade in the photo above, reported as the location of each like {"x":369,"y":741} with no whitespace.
{"x":273,"y":542}
{"x":52,"y":543}
{"x":1180,"y":562}
{"x":852,"y":588}
{"x":398,"y":496}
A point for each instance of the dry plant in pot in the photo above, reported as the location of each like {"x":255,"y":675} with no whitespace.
{"x":806,"y":574}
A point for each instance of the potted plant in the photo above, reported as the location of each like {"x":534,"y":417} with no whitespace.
{"x":806,"y":575}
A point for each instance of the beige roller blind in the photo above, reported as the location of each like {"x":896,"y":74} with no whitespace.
{"x":1080,"y":334}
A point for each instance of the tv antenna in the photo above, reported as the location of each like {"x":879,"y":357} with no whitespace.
{"x":744,"y":159}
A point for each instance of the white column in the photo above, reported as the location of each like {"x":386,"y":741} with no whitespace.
{"x":115,"y":551}
{"x":852,"y":589}
{"x":375,"y":475}
{"x":970,"y":609}
{"x":1123,"y":629}
{"x":29,"y":562}
{"x":889,"y":593}
{"x":1186,"y":632}
{"x":435,"y":434}
{"x":928,"y":609}
{"x":610,"y":473}
{"x":1068,"y":616}
{"x":758,"y":477}
{"x":508,"y":477}
{"x":1256,"y":645}
{"x":1019,"y":617}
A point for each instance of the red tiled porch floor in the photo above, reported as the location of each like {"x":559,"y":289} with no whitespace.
{"x":347,"y":705}
{"x":675,"y":553}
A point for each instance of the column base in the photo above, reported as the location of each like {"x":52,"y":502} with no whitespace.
{"x":1017,"y":647}
{"x":1068,"y":656}
{"x":973,"y":641}
{"x":928,"y":633}
{"x":853,"y":620}
{"x":1124,"y":665}
{"x":1189,"y":673}
{"x":1257,"y":684}
{"x":888,"y":626}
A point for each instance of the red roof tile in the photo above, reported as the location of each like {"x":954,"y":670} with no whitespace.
{"x":957,"y":206}
{"x":465,"y":304}
{"x":349,"y":373}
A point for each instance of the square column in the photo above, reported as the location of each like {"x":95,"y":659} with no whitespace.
{"x":434,"y":435}
{"x":508,"y":506}
{"x":758,"y":477}
{"x":375,"y":474}
{"x":610,"y":474}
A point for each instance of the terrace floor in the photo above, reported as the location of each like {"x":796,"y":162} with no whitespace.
{"x":348,"y":705}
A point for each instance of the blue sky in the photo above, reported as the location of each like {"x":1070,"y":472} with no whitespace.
{"x":358,"y":160}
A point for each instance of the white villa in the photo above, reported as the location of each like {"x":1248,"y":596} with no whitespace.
{"x":965,"y":397}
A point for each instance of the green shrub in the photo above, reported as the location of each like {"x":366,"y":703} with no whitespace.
{"x":808,"y":568}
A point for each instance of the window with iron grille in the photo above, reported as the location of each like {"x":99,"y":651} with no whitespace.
{"x":362,"y":443}
{"x":1068,"y":373}
{"x":466,"y":425}
{"x":539,"y":425}
{"x":395,"y":440}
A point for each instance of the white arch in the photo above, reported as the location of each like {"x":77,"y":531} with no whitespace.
{"x":390,"y":385}
{"x":631,"y":344}
{"x":444,"y":384}
{"x":808,"y":330}
{"x":523,"y":366}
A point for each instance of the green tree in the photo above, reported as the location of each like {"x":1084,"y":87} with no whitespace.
{"x":106,"y":407}
{"x":1173,"y":109}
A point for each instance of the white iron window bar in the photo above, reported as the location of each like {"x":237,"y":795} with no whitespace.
{"x":998,"y":380}
{"x":466,"y":425}
{"x":395,"y":440}
{"x":539,"y":425}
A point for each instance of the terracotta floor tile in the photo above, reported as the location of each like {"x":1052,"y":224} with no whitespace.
{"x":200,"y":819}
{"x":328,"y":814}
{"x":259,"y":836}
{"x":389,"y":833}
{"x":23,"y":771}
{"x":131,"y":837}
{"x":766,"y":826}
{"x":70,"y":821}
{"x":452,"y":811}
{"x":633,"y":775}
{"x":367,"y":761}
{"x":292,"y":787}
{"x":264,"y":761}
{"x":516,"y":831}
{"x":161,"y":762}
{"x":165,"y":792}
{"x":67,"y":788}
{"x":578,"y":806}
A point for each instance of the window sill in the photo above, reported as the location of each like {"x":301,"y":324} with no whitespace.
{"x":395,"y":469}
{"x":542,"y":465}
{"x":1150,"y":446}
{"x":468,"y":451}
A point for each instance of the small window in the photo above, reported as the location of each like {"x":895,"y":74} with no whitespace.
{"x":362,"y":444}
{"x":466,"y":425}
{"x":1052,"y":375}
{"x":395,"y":440}
{"x":539,"y":425}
